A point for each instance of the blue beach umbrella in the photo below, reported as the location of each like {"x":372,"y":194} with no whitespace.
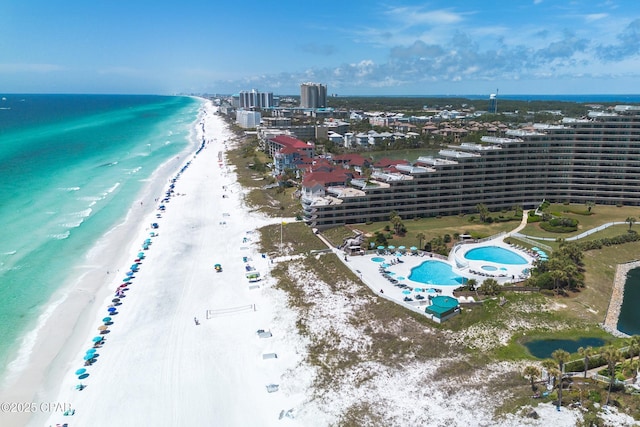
{"x":129,"y":273}
{"x":88,"y":356}
{"x":81,"y":371}
{"x":406,"y":292}
{"x":111,"y":309}
{"x":126,"y":279}
{"x":140,"y":254}
{"x":106,"y":319}
{"x":91,"y":351}
{"x":97,"y":339}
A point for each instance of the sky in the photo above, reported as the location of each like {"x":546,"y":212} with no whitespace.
{"x":355,"y":47}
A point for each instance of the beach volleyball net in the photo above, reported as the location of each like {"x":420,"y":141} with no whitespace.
{"x":227,"y":311}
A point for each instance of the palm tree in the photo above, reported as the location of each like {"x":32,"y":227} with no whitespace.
{"x":561,"y":357}
{"x":483,"y":211}
{"x":631,"y":220}
{"x":490,"y":287}
{"x":420,"y":236}
{"x":586,"y":354}
{"x":612,"y":355}
{"x":532,"y":373}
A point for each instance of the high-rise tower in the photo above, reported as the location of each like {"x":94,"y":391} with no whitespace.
{"x":313,"y":95}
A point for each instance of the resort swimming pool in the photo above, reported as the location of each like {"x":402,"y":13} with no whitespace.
{"x":435,"y":273}
{"x":495,"y":254}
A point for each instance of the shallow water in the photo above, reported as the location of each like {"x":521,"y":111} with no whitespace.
{"x":72,"y":166}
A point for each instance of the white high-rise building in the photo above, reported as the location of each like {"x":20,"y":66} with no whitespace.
{"x":313,"y":95}
{"x":256,"y":99}
{"x":248,"y":119}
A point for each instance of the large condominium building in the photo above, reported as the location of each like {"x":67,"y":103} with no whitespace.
{"x":595,"y":159}
{"x":313,"y":95}
{"x":256,"y":99}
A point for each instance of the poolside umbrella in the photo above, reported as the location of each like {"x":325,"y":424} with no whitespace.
{"x":97,"y":339}
{"x":81,"y":371}
{"x":401,"y":248}
{"x":398,"y":254}
{"x":391,"y":247}
{"x":431,"y":291}
{"x":406,"y":292}
{"x":535,"y":249}
{"x":413,"y":249}
{"x":106,"y":319}
{"x":399,"y":278}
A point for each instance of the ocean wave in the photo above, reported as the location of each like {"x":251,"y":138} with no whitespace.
{"x":10,"y":253}
{"x":134,"y":171}
{"x":60,"y":236}
{"x":21,"y":361}
{"x":69,"y":189}
{"x":110,"y":190}
{"x":75,"y":219}
{"x":83,"y":213}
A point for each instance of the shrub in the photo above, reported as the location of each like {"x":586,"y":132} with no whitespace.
{"x":560,"y":225}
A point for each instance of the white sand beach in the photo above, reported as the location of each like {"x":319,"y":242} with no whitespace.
{"x":183,"y":348}
{"x":156,"y":366}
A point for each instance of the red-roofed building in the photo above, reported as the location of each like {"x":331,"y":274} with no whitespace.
{"x":385,"y":163}
{"x":352,"y":159}
{"x":336,"y":177}
{"x":276,"y":143}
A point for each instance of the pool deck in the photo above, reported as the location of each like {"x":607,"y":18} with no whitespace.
{"x":369,"y":272}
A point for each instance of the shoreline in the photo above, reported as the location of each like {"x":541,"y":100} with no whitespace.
{"x":76,"y":303}
{"x":209,"y":369}
{"x":610,"y":323}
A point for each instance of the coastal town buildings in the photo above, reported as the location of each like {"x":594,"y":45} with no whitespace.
{"x":595,"y":159}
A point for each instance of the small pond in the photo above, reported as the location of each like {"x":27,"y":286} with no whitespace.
{"x":543,"y":348}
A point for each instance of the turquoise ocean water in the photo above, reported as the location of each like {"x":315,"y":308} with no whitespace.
{"x":70,"y":168}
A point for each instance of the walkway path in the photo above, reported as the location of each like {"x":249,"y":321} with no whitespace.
{"x":579,"y":236}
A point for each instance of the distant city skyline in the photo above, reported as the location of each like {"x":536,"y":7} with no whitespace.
{"x":379,"y":48}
